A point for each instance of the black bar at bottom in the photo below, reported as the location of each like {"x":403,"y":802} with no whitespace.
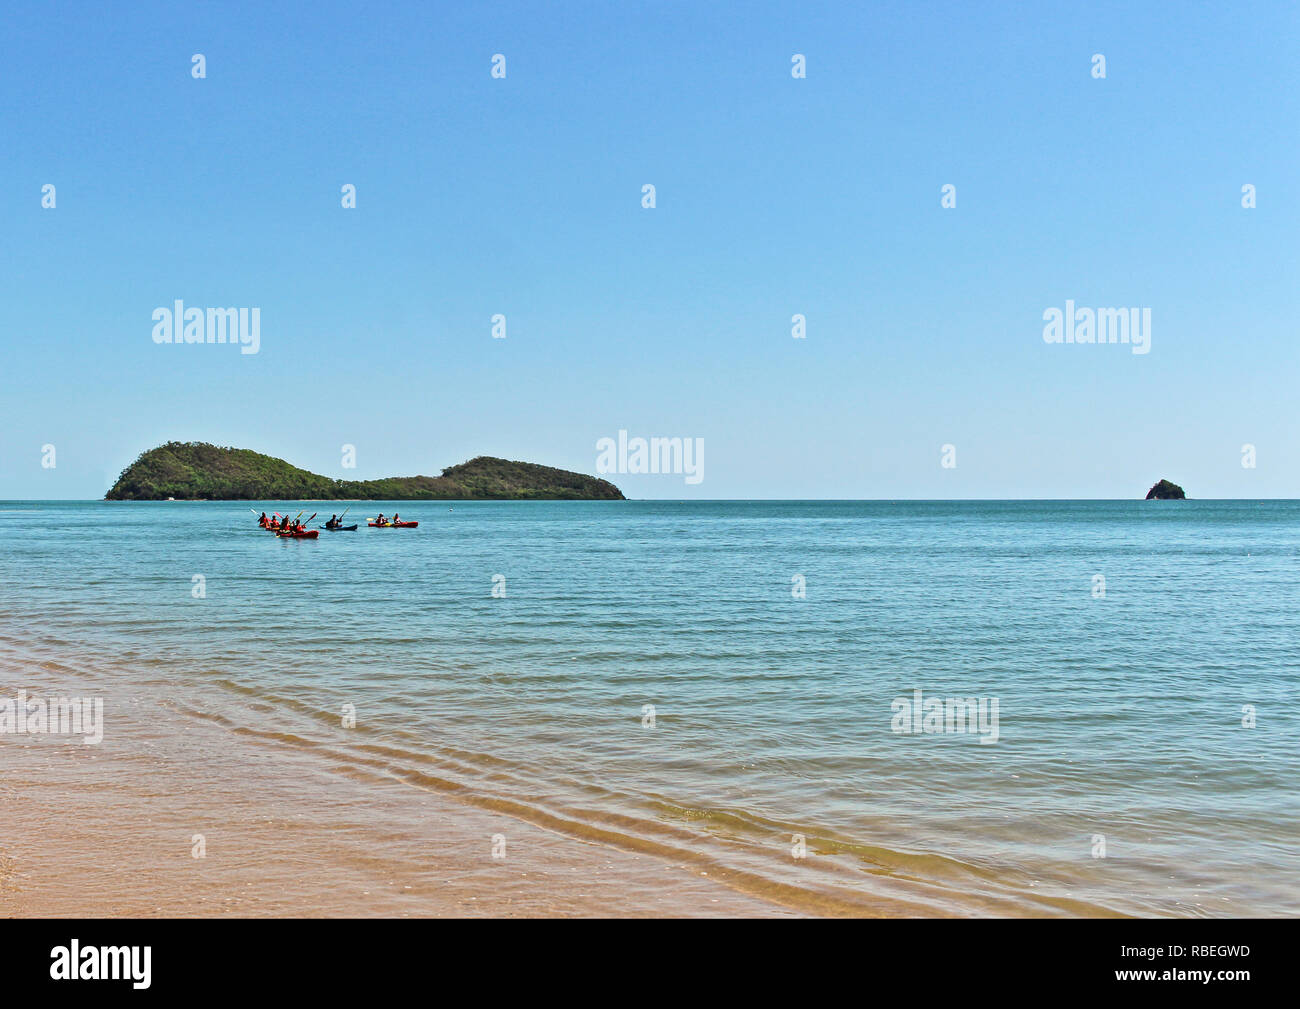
{"x":311,"y":958}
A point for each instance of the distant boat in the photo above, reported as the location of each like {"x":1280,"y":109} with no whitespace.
{"x":171,"y":499}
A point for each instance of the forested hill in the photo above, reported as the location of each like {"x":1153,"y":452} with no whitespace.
{"x":196,"y":470}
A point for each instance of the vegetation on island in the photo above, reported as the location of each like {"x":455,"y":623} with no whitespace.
{"x":1166,"y":491}
{"x":196,"y":470}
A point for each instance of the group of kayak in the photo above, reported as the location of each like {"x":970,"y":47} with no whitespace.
{"x":294,"y":528}
{"x":289,"y":528}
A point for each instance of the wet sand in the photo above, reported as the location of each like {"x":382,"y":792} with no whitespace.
{"x":109,"y":830}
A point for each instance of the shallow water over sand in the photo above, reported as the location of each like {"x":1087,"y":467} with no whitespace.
{"x":1119,"y":716}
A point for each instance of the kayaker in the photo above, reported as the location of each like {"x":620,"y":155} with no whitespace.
{"x":380,"y":521}
{"x":393,"y":520}
{"x":334,"y":520}
{"x":262,"y":521}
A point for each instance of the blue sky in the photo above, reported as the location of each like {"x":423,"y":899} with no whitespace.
{"x":775,"y":196}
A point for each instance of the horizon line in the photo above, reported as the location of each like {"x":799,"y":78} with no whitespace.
{"x":612,"y":501}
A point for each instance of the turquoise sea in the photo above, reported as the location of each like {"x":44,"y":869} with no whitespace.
{"x":648,"y":674}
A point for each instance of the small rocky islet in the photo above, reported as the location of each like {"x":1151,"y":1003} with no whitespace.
{"x":1166,"y":490}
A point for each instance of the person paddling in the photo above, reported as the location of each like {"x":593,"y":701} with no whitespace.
{"x":262,"y":521}
{"x":334,"y":521}
{"x":393,"y":521}
{"x":380,"y":521}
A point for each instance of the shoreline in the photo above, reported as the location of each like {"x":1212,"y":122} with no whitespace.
{"x":288,"y":830}
{"x":282,"y":835}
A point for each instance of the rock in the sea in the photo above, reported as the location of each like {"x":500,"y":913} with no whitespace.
{"x":1166,"y":491}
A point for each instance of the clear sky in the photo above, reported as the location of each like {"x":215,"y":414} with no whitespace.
{"x":775,"y":196}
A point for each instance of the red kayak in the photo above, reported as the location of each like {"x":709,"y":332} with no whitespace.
{"x":392,"y":525}
{"x":306,"y":534}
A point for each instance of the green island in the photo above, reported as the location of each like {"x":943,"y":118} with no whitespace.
{"x":1165,"y":491}
{"x":195,"y":470}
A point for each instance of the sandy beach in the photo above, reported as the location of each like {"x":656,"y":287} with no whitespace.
{"x":109,"y":829}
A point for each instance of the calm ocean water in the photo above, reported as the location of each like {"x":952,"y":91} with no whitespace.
{"x":1119,"y":717}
